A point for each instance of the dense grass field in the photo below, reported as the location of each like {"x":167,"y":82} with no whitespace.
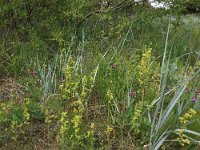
{"x":117,"y":82}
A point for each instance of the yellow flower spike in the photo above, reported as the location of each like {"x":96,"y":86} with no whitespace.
{"x":110,"y":95}
{"x":76,"y":120}
{"x":183,"y":121}
{"x":76,"y":93}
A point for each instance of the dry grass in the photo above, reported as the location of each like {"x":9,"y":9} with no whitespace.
{"x":10,"y":88}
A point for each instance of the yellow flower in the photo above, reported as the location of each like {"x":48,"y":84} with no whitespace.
{"x":110,"y":96}
{"x":180,"y":131}
{"x":92,"y":125}
{"x":76,"y":120}
{"x":182,"y":139}
{"x":192,"y":111}
{"x":109,"y":130}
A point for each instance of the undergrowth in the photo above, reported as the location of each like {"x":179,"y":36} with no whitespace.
{"x":111,"y":84}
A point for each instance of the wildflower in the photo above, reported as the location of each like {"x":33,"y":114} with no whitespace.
{"x":4,"y":97}
{"x":180,"y":131}
{"x":192,"y":111}
{"x":92,"y":125}
{"x":26,"y":115}
{"x":163,"y":147}
{"x":182,"y":139}
{"x":63,"y":126}
{"x":109,"y":130}
{"x":193,"y":99}
{"x":144,"y":67}
{"x":110,"y":96}
{"x":133,"y":93}
{"x":135,"y":121}
{"x":76,"y":120}
{"x":113,"y":66}
{"x":34,"y":74}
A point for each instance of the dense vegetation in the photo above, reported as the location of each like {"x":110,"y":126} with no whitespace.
{"x":116,"y":74}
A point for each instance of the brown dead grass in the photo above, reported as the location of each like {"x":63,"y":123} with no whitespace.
{"x":9,"y":88}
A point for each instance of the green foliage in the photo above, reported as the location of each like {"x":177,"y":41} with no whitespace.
{"x":93,"y":75}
